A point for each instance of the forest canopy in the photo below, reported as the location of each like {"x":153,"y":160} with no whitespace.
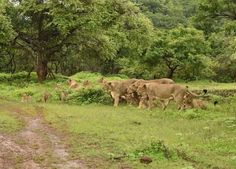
{"x":180,"y":39}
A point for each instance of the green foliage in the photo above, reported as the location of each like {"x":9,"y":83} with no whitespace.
{"x":87,"y":33}
{"x":162,"y":13}
{"x":187,"y":39}
{"x":134,"y":69}
{"x":178,"y":48}
{"x":15,"y":78}
{"x":217,"y":19}
{"x":213,"y":14}
{"x":168,"y":14}
{"x":157,"y":150}
{"x":224,"y":52}
{"x":88,"y":96}
{"x":6,"y":31}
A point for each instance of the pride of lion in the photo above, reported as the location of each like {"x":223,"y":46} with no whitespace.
{"x":143,"y":93}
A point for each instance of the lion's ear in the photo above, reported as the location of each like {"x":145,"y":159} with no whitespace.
{"x":110,"y":84}
{"x":145,"y":86}
{"x":102,"y":80}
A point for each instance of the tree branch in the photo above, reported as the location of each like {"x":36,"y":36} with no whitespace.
{"x":27,"y":39}
{"x":58,"y":46}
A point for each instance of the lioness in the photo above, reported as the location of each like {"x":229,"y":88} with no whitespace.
{"x":25,"y":98}
{"x":72,"y":84}
{"x":164,"y":93}
{"x":117,"y":89}
{"x":46,"y":96}
{"x":132,"y":90}
{"x":133,"y":87}
{"x":190,"y":101}
{"x":63,"y":96}
{"x":87,"y":84}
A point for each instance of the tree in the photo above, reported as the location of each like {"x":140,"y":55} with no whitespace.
{"x":213,"y":14}
{"x":178,"y":48}
{"x":6,"y":31}
{"x":168,"y":14}
{"x":44,"y":27}
{"x":218,"y":20}
{"x":224,"y":45}
{"x":7,"y":34}
{"x":219,"y":9}
{"x":50,"y":29}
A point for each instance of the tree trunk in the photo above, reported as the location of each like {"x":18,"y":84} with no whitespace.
{"x":42,"y":68}
{"x":171,"y":72}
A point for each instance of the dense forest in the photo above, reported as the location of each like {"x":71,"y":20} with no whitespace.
{"x":180,"y":39}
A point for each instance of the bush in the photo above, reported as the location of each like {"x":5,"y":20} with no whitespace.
{"x":17,"y":77}
{"x":87,"y":96}
{"x":15,"y":85}
{"x":156,"y":150}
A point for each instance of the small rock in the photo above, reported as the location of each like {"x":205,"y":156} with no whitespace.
{"x":145,"y":160}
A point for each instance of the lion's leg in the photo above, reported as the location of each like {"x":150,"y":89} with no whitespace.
{"x":179,"y":101}
{"x":116,"y":100}
{"x":150,"y":103}
{"x":140,"y":105}
{"x":163,"y":104}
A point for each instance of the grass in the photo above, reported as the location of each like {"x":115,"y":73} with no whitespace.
{"x":9,"y":123}
{"x":192,"y":138}
{"x":199,"y":85}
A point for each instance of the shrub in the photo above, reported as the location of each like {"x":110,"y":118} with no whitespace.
{"x":87,"y":96}
{"x":20,"y":79}
{"x":157,"y":149}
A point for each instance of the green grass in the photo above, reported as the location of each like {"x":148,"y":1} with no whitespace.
{"x":199,"y":85}
{"x":104,"y":132}
{"x":9,"y":123}
{"x":94,"y":77}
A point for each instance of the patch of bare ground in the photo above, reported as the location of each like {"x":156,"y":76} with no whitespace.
{"x":36,"y":146}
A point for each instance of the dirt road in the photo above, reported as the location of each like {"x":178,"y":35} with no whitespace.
{"x":36,"y":146}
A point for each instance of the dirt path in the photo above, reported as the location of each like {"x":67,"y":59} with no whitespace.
{"x":34,"y":147}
